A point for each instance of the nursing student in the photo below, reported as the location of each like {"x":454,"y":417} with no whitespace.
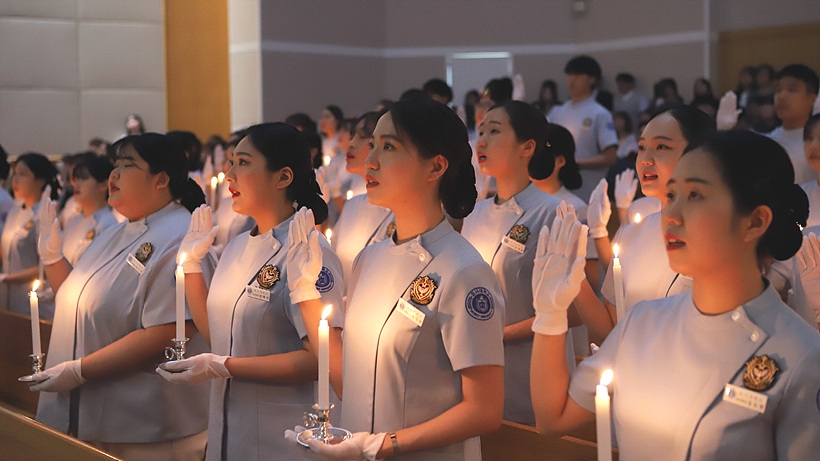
{"x":361,"y":222}
{"x":116,"y":312}
{"x":422,"y":358}
{"x":726,"y":371}
{"x":512,"y":147}
{"x":261,"y":363}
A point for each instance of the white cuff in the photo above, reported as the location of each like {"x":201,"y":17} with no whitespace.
{"x":305,"y":293}
{"x":552,"y":323}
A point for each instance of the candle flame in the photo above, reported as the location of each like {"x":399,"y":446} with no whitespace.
{"x":326,"y":311}
{"x":349,"y":195}
{"x":606,"y":377}
{"x":220,"y":177}
{"x":182,"y":259}
{"x":329,"y":234}
{"x":326,"y":160}
{"x":615,"y":250}
{"x":637,"y":217}
{"x":35,"y":285}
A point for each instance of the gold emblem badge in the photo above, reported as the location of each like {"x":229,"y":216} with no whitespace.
{"x":27,"y":226}
{"x":519,"y":233}
{"x":390,"y":229}
{"x":267,"y":276}
{"x":90,"y":234}
{"x":760,"y":373}
{"x":422,"y":290}
{"x":144,"y":252}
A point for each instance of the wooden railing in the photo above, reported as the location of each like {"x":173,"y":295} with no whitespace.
{"x":520,"y":442}
{"x":15,"y":360}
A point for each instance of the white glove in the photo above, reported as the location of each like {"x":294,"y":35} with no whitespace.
{"x":59,"y":378}
{"x":197,"y":242}
{"x":727,"y":112}
{"x":625,"y":187}
{"x":50,"y":239}
{"x":518,"y":93}
{"x":304,"y":261}
{"x":361,"y":446}
{"x":599,"y":211}
{"x":195,"y":370}
{"x":557,"y":273}
{"x":808,"y":263}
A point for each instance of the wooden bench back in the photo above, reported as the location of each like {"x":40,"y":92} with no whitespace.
{"x":15,"y":360}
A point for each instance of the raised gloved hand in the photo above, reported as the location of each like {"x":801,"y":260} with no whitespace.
{"x":808,"y":263}
{"x":727,"y":112}
{"x":304,"y":261}
{"x":195,"y":370}
{"x":557,"y":273}
{"x":361,"y":446}
{"x":50,"y":238}
{"x":625,"y":187}
{"x":599,"y":211}
{"x":519,"y":92}
{"x":60,"y":378}
{"x":197,"y":242}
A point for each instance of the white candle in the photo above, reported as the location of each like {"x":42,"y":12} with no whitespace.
{"x":617,"y":277}
{"x":34,"y":303}
{"x":329,"y":235}
{"x":214,"y":183}
{"x":324,"y":360}
{"x":180,"y":286}
{"x":602,"y":417}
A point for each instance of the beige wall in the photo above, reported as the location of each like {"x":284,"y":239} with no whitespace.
{"x":73,"y":69}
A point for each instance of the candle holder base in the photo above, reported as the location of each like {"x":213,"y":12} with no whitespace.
{"x":178,"y":351}
{"x":37,"y":364}
{"x":318,"y":428}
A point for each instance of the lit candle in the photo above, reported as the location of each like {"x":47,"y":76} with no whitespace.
{"x":637,"y":217}
{"x":324,"y":360}
{"x":329,"y":235}
{"x":602,"y":417}
{"x":214,"y":183}
{"x":34,"y":303}
{"x":180,"y":286}
{"x":617,"y":276}
{"x":220,"y":177}
{"x":349,"y":195}
{"x":326,"y":160}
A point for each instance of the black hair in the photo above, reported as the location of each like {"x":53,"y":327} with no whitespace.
{"x":370,"y":119}
{"x":438,"y":87}
{"x":412,"y":93}
{"x":138,"y":119}
{"x":314,"y":142}
{"x":301,"y":121}
{"x":435,"y":129}
{"x":95,"y":167}
{"x":810,"y":124}
{"x":626,"y":118}
{"x":768,"y":69}
{"x":348,"y":124}
{"x":583,"y":65}
{"x":5,"y":168}
{"x":337,"y":113}
{"x":561,"y":144}
{"x":42,"y":168}
{"x":694,"y":124}
{"x":529,"y":123}
{"x":283,"y":146}
{"x":625,"y":77}
{"x":499,"y":90}
{"x":803,"y":73}
{"x":163,"y":153}
{"x":758,"y":172}
{"x":192,"y":145}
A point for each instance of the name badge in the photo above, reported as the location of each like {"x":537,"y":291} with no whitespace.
{"x":134,"y":262}
{"x":259,"y":293}
{"x":410,"y":311}
{"x":515,"y":246}
{"x":745,"y":398}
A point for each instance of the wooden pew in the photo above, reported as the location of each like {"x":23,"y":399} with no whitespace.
{"x":519,"y":442}
{"x":15,"y":348}
{"x":24,"y":439}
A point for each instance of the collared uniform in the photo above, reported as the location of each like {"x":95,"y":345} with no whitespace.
{"x":812,"y":190}
{"x":792,"y":142}
{"x":644,"y":264}
{"x":248,"y":417}
{"x":6,"y":205}
{"x":360,"y":224}
{"x":81,"y":230}
{"x":19,"y":246}
{"x":506,"y":236}
{"x":402,"y":359}
{"x":230,"y":223}
{"x":644,"y":206}
{"x":671,"y":365}
{"x":105,"y":298}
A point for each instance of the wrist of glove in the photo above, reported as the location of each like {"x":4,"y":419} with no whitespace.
{"x":197,"y":242}
{"x":195,"y":370}
{"x":599,"y":211}
{"x":361,"y":446}
{"x":59,"y":378}
{"x":304,"y":259}
{"x":550,"y":322}
{"x":50,"y":243}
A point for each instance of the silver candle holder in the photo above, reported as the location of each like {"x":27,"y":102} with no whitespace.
{"x":37,"y":364}
{"x":318,"y":427}
{"x":178,"y":351}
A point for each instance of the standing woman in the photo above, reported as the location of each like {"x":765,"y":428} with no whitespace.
{"x":264,"y":367}
{"x":115,"y":316}
{"x":512,"y":147}
{"x":423,"y":349}
{"x":32,"y":172}
{"x":687,"y":367}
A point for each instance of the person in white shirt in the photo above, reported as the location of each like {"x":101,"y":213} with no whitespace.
{"x":795,"y":92}
{"x":6,"y":200}
{"x":628,"y":99}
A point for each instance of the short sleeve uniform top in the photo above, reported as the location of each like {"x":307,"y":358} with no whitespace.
{"x":671,"y":368}
{"x":250,"y":315}
{"x":360,"y":224}
{"x":418,"y":313}
{"x":81,"y":230}
{"x":19,"y":245}
{"x":506,"y":236}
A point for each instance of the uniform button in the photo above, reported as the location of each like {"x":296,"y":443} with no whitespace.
{"x":735,"y":316}
{"x":422,"y":257}
{"x":755,"y":336}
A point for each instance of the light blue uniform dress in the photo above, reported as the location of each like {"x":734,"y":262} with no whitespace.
{"x":19,"y":246}
{"x":360,"y":224}
{"x":81,"y":230}
{"x":506,"y":236}
{"x":418,"y":313}
{"x":107,"y":295}
{"x":671,"y":366}
{"x":251,"y":315}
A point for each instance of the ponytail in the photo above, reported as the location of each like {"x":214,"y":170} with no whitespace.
{"x":192,"y":196}
{"x":309,"y":194}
